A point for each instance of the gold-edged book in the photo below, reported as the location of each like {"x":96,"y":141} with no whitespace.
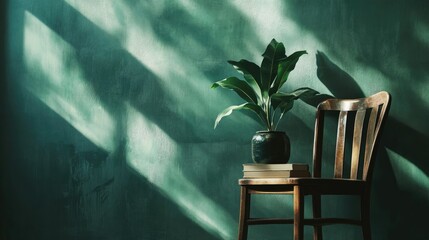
{"x":276,"y":174}
{"x":270,"y":167}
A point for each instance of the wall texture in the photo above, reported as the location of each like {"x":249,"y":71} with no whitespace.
{"x":107,"y":117}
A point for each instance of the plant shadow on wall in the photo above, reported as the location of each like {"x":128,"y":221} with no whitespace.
{"x":405,"y":141}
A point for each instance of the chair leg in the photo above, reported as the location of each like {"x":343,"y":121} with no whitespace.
{"x":317,"y":213}
{"x":365,"y":216}
{"x":298,"y":213}
{"x":244,"y":213}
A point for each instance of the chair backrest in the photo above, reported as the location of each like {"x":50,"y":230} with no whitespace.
{"x":366,"y":116}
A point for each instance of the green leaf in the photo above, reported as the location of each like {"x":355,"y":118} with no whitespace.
{"x":282,"y":100}
{"x":284,"y":68}
{"x":304,"y":93}
{"x":246,"y":106}
{"x":274,"y":53}
{"x":275,"y":50}
{"x":251,"y":73}
{"x":284,"y":108}
{"x":317,"y":99}
{"x":241,"y":87}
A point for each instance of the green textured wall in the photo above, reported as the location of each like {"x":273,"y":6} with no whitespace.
{"x":107,"y":117}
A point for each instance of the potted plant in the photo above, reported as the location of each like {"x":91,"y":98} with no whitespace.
{"x":261,"y":91}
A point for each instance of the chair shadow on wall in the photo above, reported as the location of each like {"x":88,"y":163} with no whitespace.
{"x":398,"y":137}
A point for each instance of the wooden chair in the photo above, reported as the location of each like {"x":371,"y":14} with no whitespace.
{"x":368,"y":115}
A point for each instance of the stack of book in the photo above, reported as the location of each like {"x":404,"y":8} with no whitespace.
{"x":258,"y":170}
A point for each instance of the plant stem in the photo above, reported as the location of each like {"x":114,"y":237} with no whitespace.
{"x":277,"y":124}
{"x":267,"y":111}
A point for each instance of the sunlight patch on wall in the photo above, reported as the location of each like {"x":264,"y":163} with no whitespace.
{"x":102,"y":12}
{"x":409,"y":177}
{"x":54,"y":76}
{"x":268,"y":27}
{"x":179,"y":76}
{"x":153,"y":154}
{"x":421,"y":31}
{"x":422,"y":88}
{"x":285,"y":30}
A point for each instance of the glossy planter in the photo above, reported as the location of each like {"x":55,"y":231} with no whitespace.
{"x":270,"y":147}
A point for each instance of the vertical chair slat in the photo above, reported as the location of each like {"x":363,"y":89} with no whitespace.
{"x":357,"y":139}
{"x":341,"y":137}
{"x":370,"y":140}
{"x":318,"y":143}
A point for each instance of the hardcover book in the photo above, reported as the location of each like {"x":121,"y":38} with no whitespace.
{"x":276,"y":174}
{"x":271,"y":167}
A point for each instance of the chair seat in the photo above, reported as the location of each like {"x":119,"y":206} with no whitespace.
{"x":316,"y":185}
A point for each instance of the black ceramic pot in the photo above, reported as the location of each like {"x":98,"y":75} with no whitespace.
{"x":270,"y":147}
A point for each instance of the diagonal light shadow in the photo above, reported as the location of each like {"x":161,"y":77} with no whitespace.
{"x":61,"y":86}
{"x":153,"y":154}
{"x":58,"y":85}
{"x":182,"y":82}
{"x":409,"y":177}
